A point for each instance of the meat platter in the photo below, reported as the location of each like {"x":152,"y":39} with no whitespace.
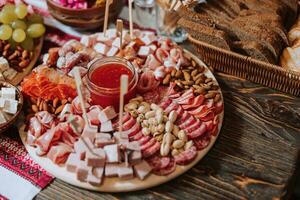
{"x":172,"y":116}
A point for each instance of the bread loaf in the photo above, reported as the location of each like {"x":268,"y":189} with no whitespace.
{"x":290,"y":58}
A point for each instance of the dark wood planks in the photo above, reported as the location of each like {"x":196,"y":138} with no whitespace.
{"x":255,"y":157}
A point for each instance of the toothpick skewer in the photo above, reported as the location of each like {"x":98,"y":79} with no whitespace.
{"x":130,"y":18}
{"x":119,"y":28}
{"x":80,"y":96}
{"x":108,"y":3}
{"x":123,"y":91}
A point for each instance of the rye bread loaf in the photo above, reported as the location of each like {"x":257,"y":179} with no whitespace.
{"x":292,"y":8}
{"x":206,"y":34}
{"x":213,"y":12}
{"x":223,"y":7}
{"x":254,"y":50}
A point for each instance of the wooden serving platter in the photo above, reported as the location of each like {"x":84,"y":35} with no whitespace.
{"x":36,"y":54}
{"x":117,"y":184}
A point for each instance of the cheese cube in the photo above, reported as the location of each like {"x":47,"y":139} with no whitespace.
{"x":2,"y":118}
{"x":10,"y":106}
{"x":2,"y":101}
{"x":3,"y":64}
{"x":106,"y":127}
{"x":8,"y":93}
{"x":112,"y":52}
{"x":116,"y":42}
{"x":112,"y":153}
{"x":101,"y":48}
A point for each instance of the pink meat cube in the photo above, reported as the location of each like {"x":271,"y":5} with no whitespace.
{"x":95,"y":158}
{"x":121,"y":137}
{"x":111,"y":33}
{"x":88,"y":41}
{"x":134,"y":146}
{"x":82,"y":171}
{"x":90,"y":132}
{"x":148,"y":39}
{"x":101,"y":48}
{"x":80,"y":149}
{"x":106,"y":127}
{"x":144,"y":51}
{"x":112,"y":153}
{"x":93,"y":180}
{"x":72,"y":162}
{"x":111,"y":169}
{"x":142,"y":169}
{"x":98,"y":171}
{"x":135,"y":157}
{"x":103,"y":139}
{"x":112,"y":51}
{"x":124,"y":171}
{"x":107,"y":114}
{"x":103,"y":39}
{"x":88,"y":142}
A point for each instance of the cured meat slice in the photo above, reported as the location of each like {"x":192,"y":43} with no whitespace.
{"x":209,"y":125}
{"x":151,"y":150}
{"x":157,"y":162}
{"x":219,"y":107}
{"x":144,"y":140}
{"x":137,"y":137}
{"x":183,"y":118}
{"x":59,"y":153}
{"x":199,"y":110}
{"x":202,"y":142}
{"x":209,"y":103}
{"x":152,"y":96}
{"x":179,"y":111}
{"x":186,"y":157}
{"x":129,"y":124}
{"x":147,"y":82}
{"x":45,"y":118}
{"x":167,"y":170}
{"x":214,"y":130}
{"x":172,"y":106}
{"x":161,"y":55}
{"x":185,"y":100}
{"x":165,"y":103}
{"x":198,"y":132}
{"x":35,"y":127}
{"x":208,"y":115}
{"x":148,"y":144}
{"x":198,"y":101}
{"x":188,"y":122}
{"x":134,"y":130}
{"x":43,"y":142}
{"x":193,"y":126}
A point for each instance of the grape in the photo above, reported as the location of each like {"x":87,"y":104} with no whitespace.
{"x":19,"y":35}
{"x":27,"y":43}
{"x":36,"y":30}
{"x":21,"y":11}
{"x":35,"y":19}
{"x":9,"y":8}
{"x":19,"y":24}
{"x":7,"y":17}
{"x":5,"y":32}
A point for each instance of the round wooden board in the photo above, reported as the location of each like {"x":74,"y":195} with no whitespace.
{"x":116,"y":184}
{"x":36,"y":54}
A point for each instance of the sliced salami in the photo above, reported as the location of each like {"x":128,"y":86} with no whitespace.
{"x":137,"y":137}
{"x":165,"y":103}
{"x":183,"y":118}
{"x":148,"y":144}
{"x":129,"y":124}
{"x":202,"y":142}
{"x":167,"y":170}
{"x":151,"y":97}
{"x":193,"y":126}
{"x":188,"y":122}
{"x":198,"y":101}
{"x":144,"y":140}
{"x":157,"y":162}
{"x":172,"y":106}
{"x":186,"y":157}
{"x":219,"y":107}
{"x":198,"y":132}
{"x":151,"y":150}
{"x":134,"y":130}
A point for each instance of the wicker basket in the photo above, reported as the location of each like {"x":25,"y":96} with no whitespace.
{"x":4,"y":127}
{"x":263,"y":73}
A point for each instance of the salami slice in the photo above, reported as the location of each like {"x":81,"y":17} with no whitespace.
{"x":151,"y":97}
{"x":134,"y":130}
{"x":144,"y":140}
{"x":172,"y":106}
{"x":137,"y":137}
{"x":148,"y":144}
{"x":198,"y":132}
{"x":193,"y":126}
{"x":151,"y":150}
{"x":167,"y":170}
{"x":202,"y":142}
{"x":186,"y":157}
{"x":157,"y":162}
{"x":165,"y":103}
{"x":188,"y":122}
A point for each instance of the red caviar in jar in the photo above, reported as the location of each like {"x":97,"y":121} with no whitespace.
{"x":104,"y":81}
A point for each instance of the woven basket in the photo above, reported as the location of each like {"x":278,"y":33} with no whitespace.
{"x":235,"y":64}
{"x":4,"y":127}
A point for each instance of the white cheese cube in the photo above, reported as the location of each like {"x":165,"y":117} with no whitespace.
{"x":116,"y":42}
{"x":101,"y":48}
{"x":2,"y":101}
{"x":112,"y":52}
{"x":3,"y":64}
{"x":2,"y":118}
{"x":144,"y":51}
{"x":10,"y":106}
{"x":8,"y":93}
{"x":111,"y":33}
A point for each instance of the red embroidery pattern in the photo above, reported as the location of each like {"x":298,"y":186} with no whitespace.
{"x":2,"y":197}
{"x":14,"y":157}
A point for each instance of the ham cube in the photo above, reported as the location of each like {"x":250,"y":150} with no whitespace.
{"x":101,"y":48}
{"x":103,"y":139}
{"x":126,"y":37}
{"x":95,"y":159}
{"x":148,"y":39}
{"x":80,"y":149}
{"x":93,"y":180}
{"x":116,"y":43}
{"x":90,"y":132}
{"x":92,"y":115}
{"x":89,"y":144}
{"x":153,"y":47}
{"x":111,"y":33}
{"x":113,"y":154}
{"x":72,"y":162}
{"x":106,"y":127}
{"x":112,"y":51}
{"x":88,"y":40}
{"x":135,"y":157}
{"x":125,"y":171}
{"x":82,"y":171}
{"x":98,"y":171}
{"x":134,"y":146}
{"x":121,"y":137}
{"x":111,"y":169}
{"x":103,"y":39}
{"x":144,"y":51}
{"x":107,"y":114}
{"x":142,"y":169}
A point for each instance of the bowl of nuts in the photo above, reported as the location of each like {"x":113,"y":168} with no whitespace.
{"x":11,"y":103}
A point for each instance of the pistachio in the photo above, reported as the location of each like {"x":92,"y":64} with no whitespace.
{"x":35,"y":108}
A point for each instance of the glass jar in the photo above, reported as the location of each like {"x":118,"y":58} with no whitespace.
{"x":103,"y":81}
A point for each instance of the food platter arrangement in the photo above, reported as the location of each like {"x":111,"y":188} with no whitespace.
{"x":119,"y":110}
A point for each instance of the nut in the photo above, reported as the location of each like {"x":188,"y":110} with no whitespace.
{"x":64,"y":101}
{"x":175,"y":130}
{"x":186,"y":76}
{"x":175,"y":152}
{"x":24,"y":63}
{"x":160,"y":128}
{"x":173,"y":72}
{"x":6,"y":47}
{"x":154,"y":106}
{"x":45,"y":106}
{"x":208,"y":80}
{"x":146,"y":131}
{"x":131,"y":106}
{"x":55,"y":102}
{"x":167,"y":79}
{"x":188,"y":145}
{"x":172,"y":116}
{"x":150,"y":114}
{"x":169,"y":127}
{"x":35,"y":108}
{"x":152,"y":121}
{"x":178,"y":74}
{"x":141,"y":109}
{"x":13,"y":56}
{"x":210,"y":95}
{"x":25,"y":54}
{"x":194,"y":72}
{"x":134,"y":113}
{"x":138,"y":98}
{"x":59,"y":109}
{"x":41,"y":105}
{"x":182,"y":135}
{"x":159,"y":138}
{"x":159,"y":117}
{"x":166,"y":144}
{"x":177,"y":144}
{"x":217,"y":98}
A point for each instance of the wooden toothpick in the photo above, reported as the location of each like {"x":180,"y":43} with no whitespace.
{"x":130,"y":18}
{"x":119,"y":27}
{"x":108,"y":3}
{"x":123,"y":91}
{"x":80,"y":96}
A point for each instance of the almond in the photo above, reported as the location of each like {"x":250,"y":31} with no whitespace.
{"x":167,"y":79}
{"x":55,"y":102}
{"x":59,"y":109}
{"x":24,"y":63}
{"x":64,"y":101}
{"x":35,"y":108}
{"x":45,"y":106}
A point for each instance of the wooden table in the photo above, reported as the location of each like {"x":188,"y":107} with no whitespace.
{"x":255,"y":157}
